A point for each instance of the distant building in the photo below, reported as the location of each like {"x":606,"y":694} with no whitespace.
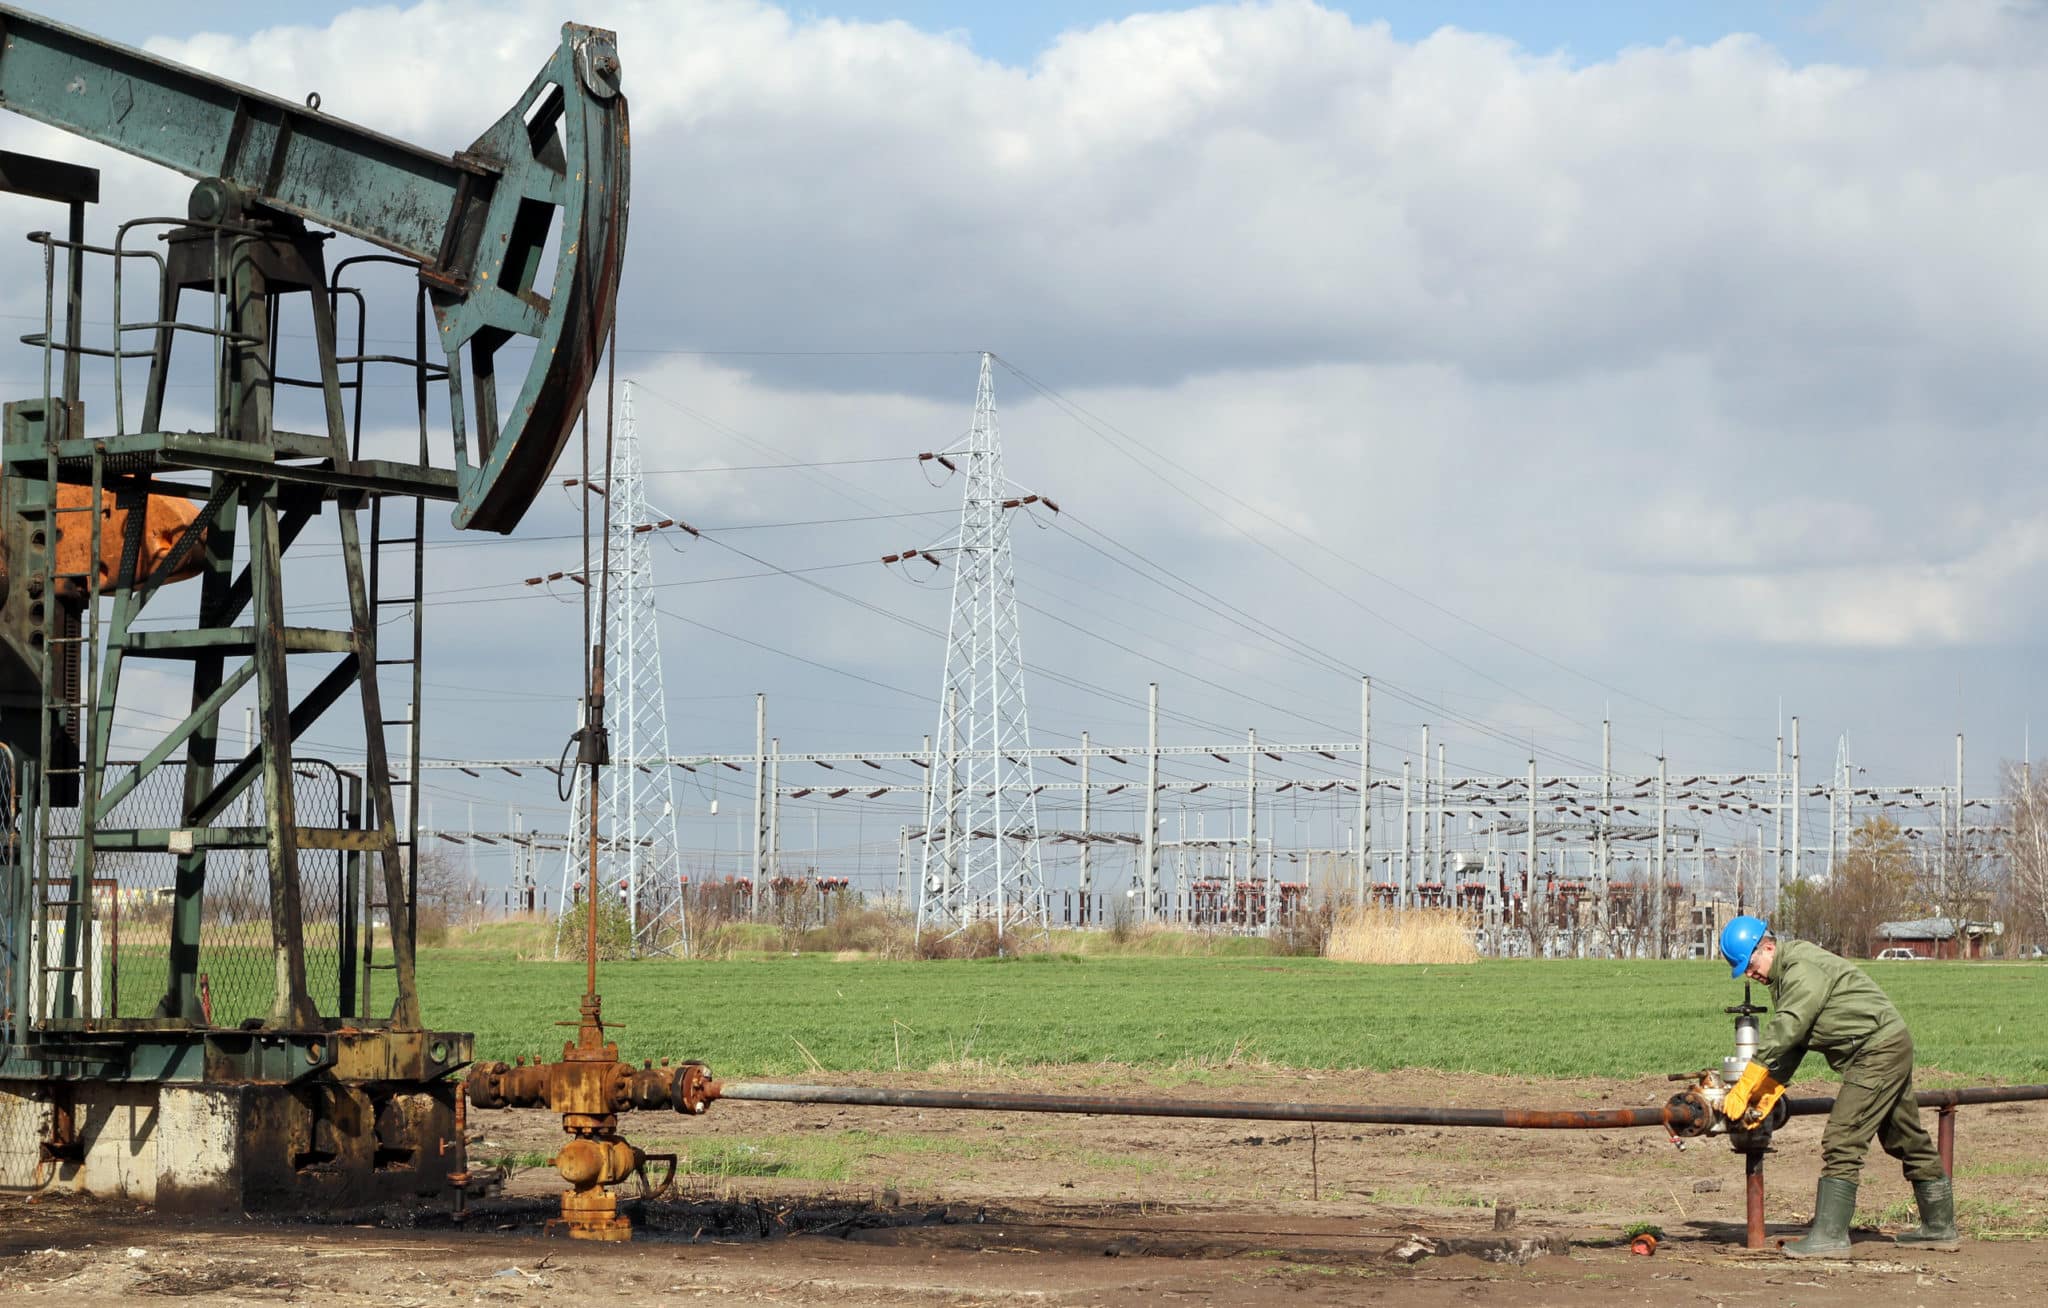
{"x":1939,"y":937}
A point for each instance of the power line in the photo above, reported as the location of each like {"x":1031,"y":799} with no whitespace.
{"x":1113,"y":434}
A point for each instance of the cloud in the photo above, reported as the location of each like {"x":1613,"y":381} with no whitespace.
{"x":1690,"y":352}
{"x":1966,"y":32}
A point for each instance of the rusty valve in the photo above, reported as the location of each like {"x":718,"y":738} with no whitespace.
{"x":590,"y":1087}
{"x":586,"y":1162}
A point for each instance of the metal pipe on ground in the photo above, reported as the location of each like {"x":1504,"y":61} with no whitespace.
{"x":1676,"y":1117}
{"x":1812,"y":1105}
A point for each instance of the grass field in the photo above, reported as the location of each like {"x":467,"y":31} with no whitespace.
{"x":779,"y":1016}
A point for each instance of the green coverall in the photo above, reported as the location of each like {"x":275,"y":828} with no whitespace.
{"x":1825,"y":1003}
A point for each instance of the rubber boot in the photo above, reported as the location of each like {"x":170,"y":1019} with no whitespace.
{"x":1834,"y":1203}
{"x":1936,"y":1201}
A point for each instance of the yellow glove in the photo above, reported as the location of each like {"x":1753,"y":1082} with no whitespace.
{"x":1752,"y":1097}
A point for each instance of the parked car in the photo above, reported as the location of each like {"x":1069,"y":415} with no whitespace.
{"x":1898,"y":954}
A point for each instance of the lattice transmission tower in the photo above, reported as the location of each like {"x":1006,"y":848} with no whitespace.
{"x":980,"y":850}
{"x":639,"y":862}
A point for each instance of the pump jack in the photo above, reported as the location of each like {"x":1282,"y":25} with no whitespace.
{"x":315,"y":1098}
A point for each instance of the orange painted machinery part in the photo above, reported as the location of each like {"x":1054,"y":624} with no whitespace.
{"x":164,"y":522}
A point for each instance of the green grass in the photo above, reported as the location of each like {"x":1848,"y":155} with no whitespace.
{"x":781,"y":1016}
{"x":1977,"y":1219}
{"x":818,"y":1156}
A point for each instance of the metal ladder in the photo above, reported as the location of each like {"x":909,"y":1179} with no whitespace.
{"x":400,"y":592}
{"x":68,"y":695}
{"x":403,"y":593}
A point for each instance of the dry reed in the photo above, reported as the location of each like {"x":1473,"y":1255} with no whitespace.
{"x":1419,"y":935}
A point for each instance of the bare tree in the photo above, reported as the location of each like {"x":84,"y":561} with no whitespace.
{"x":2026,"y":852}
{"x":1959,"y":876}
{"x":1874,"y":882}
{"x":447,"y":895}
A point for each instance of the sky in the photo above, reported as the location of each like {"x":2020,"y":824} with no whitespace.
{"x":1669,"y":363}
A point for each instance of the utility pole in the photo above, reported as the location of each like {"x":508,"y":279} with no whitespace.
{"x":1941,"y":873}
{"x":1087,"y":872}
{"x":1798,"y":806}
{"x":1443,"y":861}
{"x":1532,"y":896}
{"x":942,"y":891}
{"x":1407,"y":826}
{"x":1760,"y":866}
{"x":1151,"y":869}
{"x":1251,"y":822}
{"x":775,"y":805}
{"x":760,"y":805}
{"x":1494,"y":896}
{"x":1422,"y":837}
{"x":1841,"y":791}
{"x":1606,"y":846}
{"x":1778,"y":829}
{"x":1364,"y":785}
{"x":1663,"y":843}
{"x":924,"y":840}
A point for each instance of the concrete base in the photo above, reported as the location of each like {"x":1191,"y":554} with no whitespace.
{"x":231,"y":1148}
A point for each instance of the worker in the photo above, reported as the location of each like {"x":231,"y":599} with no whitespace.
{"x":1826,"y":1004}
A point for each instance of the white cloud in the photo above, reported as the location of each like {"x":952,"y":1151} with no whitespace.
{"x":1690,"y":345}
{"x":1885,"y":598}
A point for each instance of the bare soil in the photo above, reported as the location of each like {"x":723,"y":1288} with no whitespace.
{"x":985,"y":1208}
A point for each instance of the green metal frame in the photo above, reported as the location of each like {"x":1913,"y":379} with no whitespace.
{"x":477,"y":227}
{"x":478,"y":224}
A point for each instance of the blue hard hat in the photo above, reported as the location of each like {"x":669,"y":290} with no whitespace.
{"x":1738,"y":941}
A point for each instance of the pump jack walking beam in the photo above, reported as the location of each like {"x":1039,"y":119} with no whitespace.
{"x":478,"y":222}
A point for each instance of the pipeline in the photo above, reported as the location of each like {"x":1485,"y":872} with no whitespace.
{"x":1678,"y":1116}
{"x":1681,"y":1116}
{"x":1813,"y":1105}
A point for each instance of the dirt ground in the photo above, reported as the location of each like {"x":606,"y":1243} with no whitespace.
{"x":975,"y":1208}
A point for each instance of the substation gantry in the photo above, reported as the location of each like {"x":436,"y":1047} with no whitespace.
{"x":125,"y":1055}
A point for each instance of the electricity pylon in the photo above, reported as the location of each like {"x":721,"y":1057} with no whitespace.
{"x":638,"y":859}
{"x":980,"y":859}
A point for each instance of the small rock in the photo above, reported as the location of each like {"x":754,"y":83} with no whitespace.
{"x":1706,"y":1185}
{"x":1412,"y":1250}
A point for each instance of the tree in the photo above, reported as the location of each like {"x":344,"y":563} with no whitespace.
{"x":1873,"y":884}
{"x":445,"y":894}
{"x":1959,"y":876}
{"x":2026,"y":852}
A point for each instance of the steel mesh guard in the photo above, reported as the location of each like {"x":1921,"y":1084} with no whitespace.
{"x":131,"y":901}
